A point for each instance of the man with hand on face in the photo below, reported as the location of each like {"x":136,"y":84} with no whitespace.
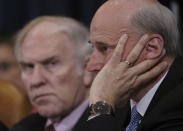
{"x":144,"y":76}
{"x":52,"y":52}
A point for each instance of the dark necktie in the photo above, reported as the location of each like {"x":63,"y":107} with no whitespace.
{"x":50,"y":128}
{"x":134,"y":121}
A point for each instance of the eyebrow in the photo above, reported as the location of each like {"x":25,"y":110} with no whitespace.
{"x":99,"y":43}
{"x":23,"y":63}
{"x":48,"y":60}
{"x":102,"y":44}
{"x":42,"y":61}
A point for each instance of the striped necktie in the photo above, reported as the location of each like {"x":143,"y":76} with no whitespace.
{"x":134,"y":121}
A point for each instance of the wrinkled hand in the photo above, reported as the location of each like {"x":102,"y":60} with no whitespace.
{"x":118,"y":80}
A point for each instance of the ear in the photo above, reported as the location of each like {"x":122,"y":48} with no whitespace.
{"x":154,"y":47}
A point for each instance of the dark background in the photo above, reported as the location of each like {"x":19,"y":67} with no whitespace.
{"x":15,"y":13}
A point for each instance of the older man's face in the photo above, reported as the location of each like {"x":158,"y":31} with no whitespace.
{"x":110,"y":22}
{"x":50,"y":71}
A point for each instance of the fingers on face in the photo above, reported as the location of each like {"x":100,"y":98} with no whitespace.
{"x":147,"y":64}
{"x":153,"y":73}
{"x":136,"y":51}
{"x":116,"y":57}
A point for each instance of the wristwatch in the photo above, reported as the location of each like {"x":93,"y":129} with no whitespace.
{"x":100,"y":108}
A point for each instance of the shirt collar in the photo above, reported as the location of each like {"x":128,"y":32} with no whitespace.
{"x":69,"y":121}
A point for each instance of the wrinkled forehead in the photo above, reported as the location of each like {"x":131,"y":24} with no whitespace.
{"x":109,"y":16}
{"x":46,"y":28}
{"x":45,"y":39}
{"x":46,"y":34}
{"x":109,"y":22}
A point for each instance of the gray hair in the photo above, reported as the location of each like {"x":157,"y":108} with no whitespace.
{"x":76,"y":32}
{"x":160,"y":20}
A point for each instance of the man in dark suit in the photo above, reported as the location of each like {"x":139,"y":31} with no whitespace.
{"x":52,"y":53}
{"x":155,"y":102}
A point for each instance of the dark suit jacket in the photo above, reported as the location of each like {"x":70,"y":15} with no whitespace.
{"x":165,"y":112}
{"x":35,"y":122}
{"x":3,"y":127}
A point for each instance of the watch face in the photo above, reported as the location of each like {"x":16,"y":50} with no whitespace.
{"x":101,"y":107}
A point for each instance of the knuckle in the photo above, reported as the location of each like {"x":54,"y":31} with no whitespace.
{"x":133,"y":56}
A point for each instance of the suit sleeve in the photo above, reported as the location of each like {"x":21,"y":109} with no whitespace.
{"x":103,"y":123}
{"x":177,"y":125}
{"x":3,"y":127}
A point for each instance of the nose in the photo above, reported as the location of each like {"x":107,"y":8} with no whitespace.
{"x":95,"y":62}
{"x":37,"y":78}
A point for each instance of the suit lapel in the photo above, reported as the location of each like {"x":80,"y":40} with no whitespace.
{"x":123,"y":115}
{"x":80,"y":125}
{"x":38,"y":124}
{"x":172,"y":79}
